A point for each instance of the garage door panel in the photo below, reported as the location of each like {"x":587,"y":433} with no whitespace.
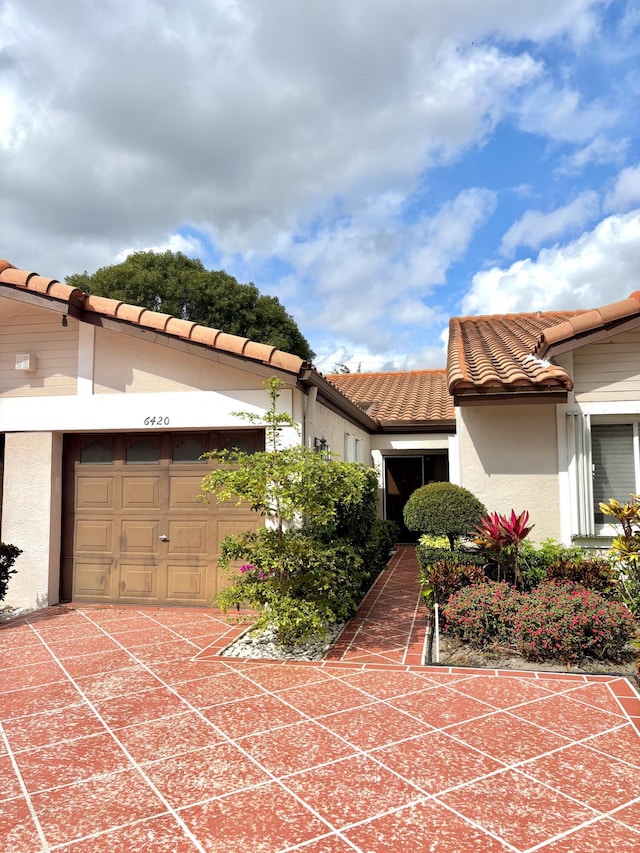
{"x":139,"y":582}
{"x":188,"y":537}
{"x":140,"y":537}
{"x":184,"y":492}
{"x":186,"y":583}
{"x":140,"y":493}
{"x":94,"y":493}
{"x":94,"y":535}
{"x":92,"y":579}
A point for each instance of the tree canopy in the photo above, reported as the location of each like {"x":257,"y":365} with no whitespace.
{"x":172,"y":283}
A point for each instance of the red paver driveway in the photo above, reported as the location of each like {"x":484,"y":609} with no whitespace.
{"x":121,"y":730}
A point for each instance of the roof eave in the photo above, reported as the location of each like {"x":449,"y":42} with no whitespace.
{"x":447,"y":425}
{"x":592,"y":336}
{"x":503,"y":395}
{"x":309,"y":376}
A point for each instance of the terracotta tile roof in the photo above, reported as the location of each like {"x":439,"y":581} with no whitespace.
{"x":567,"y":334}
{"x":403,"y":399}
{"x":87,"y":306}
{"x":496,"y":354}
{"x":509,"y":353}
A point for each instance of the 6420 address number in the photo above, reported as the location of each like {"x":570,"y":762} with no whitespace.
{"x":157,"y":420}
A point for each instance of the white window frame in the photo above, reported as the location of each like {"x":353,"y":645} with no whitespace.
{"x":581,"y":469}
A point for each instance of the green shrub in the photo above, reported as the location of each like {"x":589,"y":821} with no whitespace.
{"x":536,"y":559}
{"x":443,"y":578}
{"x":483,"y":614}
{"x":377,"y":551}
{"x":443,"y":509}
{"x":8,"y":555}
{"x":593,"y":573}
{"x":566,"y":621}
{"x":326,"y":579}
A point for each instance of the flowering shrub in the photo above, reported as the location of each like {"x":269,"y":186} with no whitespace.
{"x":483,"y":614}
{"x":567,"y":621}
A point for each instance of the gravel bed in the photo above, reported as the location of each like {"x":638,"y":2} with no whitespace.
{"x":262,"y":644}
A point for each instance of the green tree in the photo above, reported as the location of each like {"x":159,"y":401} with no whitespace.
{"x":172,"y":283}
{"x":300,"y":575}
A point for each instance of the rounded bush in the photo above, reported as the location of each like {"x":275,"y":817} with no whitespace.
{"x":443,"y":509}
{"x":566,"y":621}
{"x":483,"y":614}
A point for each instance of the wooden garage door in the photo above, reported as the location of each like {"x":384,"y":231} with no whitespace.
{"x":133,"y":529}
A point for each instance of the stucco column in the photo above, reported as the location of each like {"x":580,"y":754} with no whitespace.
{"x":31,"y":515}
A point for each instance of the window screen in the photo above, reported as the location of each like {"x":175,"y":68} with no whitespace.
{"x":613,"y":465}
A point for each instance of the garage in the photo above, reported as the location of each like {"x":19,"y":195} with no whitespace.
{"x":134,"y":531}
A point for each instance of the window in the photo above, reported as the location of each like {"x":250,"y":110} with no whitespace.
{"x":605,"y":465}
{"x":613,"y":467}
{"x":353,"y":448}
{"x":188,"y":450}
{"x":97,"y":452}
{"x":143,"y":451}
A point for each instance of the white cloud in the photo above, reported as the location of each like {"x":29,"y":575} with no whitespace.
{"x":599,"y":151}
{"x":601,"y":266}
{"x":626,"y":191}
{"x":133,"y":118}
{"x":374,"y":272}
{"x":535,"y":227}
{"x":562,"y":114}
{"x":188,"y":245}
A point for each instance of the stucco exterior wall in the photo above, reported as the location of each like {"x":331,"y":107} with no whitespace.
{"x":28,"y":329}
{"x":608,"y":371}
{"x":123,"y":363}
{"x":333,"y":427}
{"x":31,"y":515}
{"x":509,"y":460}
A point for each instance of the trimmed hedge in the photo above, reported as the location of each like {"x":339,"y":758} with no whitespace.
{"x":443,"y":509}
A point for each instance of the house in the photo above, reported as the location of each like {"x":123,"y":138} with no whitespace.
{"x":106,"y":408}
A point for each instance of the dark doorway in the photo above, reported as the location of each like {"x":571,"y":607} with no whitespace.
{"x":405,"y":474}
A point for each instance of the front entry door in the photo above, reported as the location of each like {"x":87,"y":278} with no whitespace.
{"x":405,"y":474}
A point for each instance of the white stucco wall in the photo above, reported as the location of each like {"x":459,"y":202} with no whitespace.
{"x":509,"y":460}
{"x":124,"y":363}
{"x":31,"y":515}
{"x":333,"y":427}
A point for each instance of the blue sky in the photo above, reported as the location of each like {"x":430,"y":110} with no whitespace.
{"x":379,"y":165}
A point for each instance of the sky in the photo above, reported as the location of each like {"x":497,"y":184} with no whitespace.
{"x":378,"y":165}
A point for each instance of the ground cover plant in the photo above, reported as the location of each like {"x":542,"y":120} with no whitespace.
{"x":310,"y":564}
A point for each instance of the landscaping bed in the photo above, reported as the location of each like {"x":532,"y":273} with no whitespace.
{"x":453,"y":652}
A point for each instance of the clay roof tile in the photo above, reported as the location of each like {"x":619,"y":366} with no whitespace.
{"x":129,"y":313}
{"x":180,"y":328}
{"x":204,"y":335}
{"x":399,"y":398}
{"x":17,"y":277}
{"x":231,"y":343}
{"x":101,"y":305}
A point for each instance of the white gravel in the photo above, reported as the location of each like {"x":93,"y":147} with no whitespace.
{"x":262,"y":644}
